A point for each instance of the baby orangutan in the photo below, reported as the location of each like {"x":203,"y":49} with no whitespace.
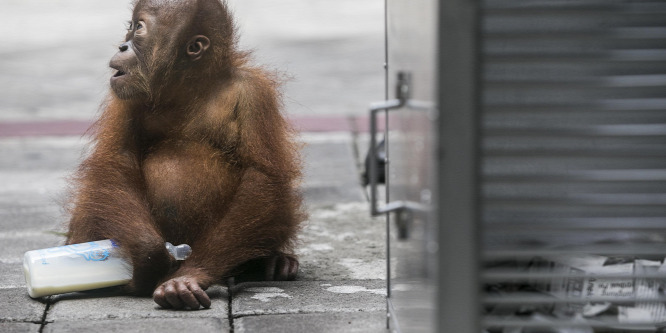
{"x":191,"y":148}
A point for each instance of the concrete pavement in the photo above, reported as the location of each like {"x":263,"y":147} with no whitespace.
{"x":340,"y":288}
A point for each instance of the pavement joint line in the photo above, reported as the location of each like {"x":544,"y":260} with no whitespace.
{"x":230,"y":298}
{"x":300,"y":312}
{"x":4,"y":320}
{"x":44,"y":322}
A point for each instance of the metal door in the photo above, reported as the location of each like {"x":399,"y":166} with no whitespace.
{"x":427,"y":147}
{"x":409,"y":114}
{"x":411,"y":62}
{"x":526,"y":137}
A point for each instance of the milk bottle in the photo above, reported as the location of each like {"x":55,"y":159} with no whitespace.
{"x":81,"y":267}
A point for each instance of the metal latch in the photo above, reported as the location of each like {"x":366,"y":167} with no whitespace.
{"x":403,"y":209}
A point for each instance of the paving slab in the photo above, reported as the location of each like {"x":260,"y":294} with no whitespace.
{"x":29,"y":219}
{"x":340,"y":242}
{"x":23,"y":181}
{"x":328,"y":194}
{"x":199,"y":325}
{"x":20,"y":327}
{"x":17,"y":306}
{"x":108,"y":305}
{"x":14,"y":199}
{"x":261,"y":298}
{"x":15,"y":244}
{"x":330,"y":175}
{"x":352,"y":322}
{"x":42,"y":153}
{"x":12,"y":276}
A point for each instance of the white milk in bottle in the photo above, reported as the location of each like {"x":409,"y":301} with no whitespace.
{"x":80,"y":267}
{"x":75,"y":267}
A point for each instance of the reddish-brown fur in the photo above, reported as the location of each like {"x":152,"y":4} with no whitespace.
{"x":196,"y":151}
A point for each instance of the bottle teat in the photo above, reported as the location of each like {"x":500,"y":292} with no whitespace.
{"x":180,"y":252}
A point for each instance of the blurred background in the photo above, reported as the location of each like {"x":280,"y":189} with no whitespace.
{"x":55,"y":54}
